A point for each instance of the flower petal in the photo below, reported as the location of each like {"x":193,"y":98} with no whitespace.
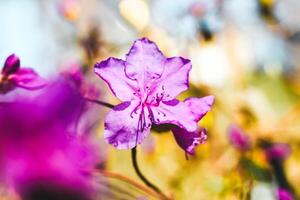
{"x":12,"y":65}
{"x":238,"y":138}
{"x":284,"y":194}
{"x":144,"y":62}
{"x":278,"y":151}
{"x":27,"y":78}
{"x":126,"y":126}
{"x":188,"y":141}
{"x":174,"y":112}
{"x":174,"y":79}
{"x":112,"y":71}
{"x":200,"y":106}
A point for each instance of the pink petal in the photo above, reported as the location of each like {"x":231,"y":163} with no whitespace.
{"x":175,"y":78}
{"x":188,"y":141}
{"x":112,"y":71}
{"x":174,"y":112}
{"x":27,"y":78}
{"x":284,"y":194}
{"x":278,"y":151}
{"x":11,"y":65}
{"x":239,"y":139}
{"x":144,"y":62}
{"x":200,"y":106}
{"x":125,"y":128}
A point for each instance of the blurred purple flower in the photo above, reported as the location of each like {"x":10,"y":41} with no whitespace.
{"x":197,"y":9}
{"x":283,"y":194}
{"x":278,"y":151}
{"x":148,"y":83}
{"x":238,"y":138}
{"x":72,"y":71}
{"x":74,"y":74}
{"x":12,"y":76}
{"x":41,"y":157}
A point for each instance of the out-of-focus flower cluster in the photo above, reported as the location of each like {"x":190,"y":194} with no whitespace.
{"x":42,"y":155}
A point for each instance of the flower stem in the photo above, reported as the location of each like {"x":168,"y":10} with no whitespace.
{"x":142,"y":177}
{"x":133,"y":156}
{"x":102,"y":103}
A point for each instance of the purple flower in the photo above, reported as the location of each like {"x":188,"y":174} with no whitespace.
{"x":148,"y":83}
{"x":12,"y":76}
{"x":278,"y":151}
{"x":74,"y":74}
{"x":239,"y":139}
{"x":41,"y":156}
{"x":283,"y":194}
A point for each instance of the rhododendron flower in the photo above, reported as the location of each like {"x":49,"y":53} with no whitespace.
{"x":41,"y":155}
{"x":239,"y":139}
{"x":12,"y":76}
{"x":74,"y":73}
{"x":283,"y":194}
{"x":278,"y":151}
{"x":148,"y":83}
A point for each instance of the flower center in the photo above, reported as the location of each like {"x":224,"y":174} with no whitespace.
{"x":149,"y":97}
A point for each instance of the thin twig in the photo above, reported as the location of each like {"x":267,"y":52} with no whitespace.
{"x":102,"y":103}
{"x":127,"y":180}
{"x":134,"y":162}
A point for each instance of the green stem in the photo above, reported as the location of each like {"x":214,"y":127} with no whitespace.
{"x":141,"y":176}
